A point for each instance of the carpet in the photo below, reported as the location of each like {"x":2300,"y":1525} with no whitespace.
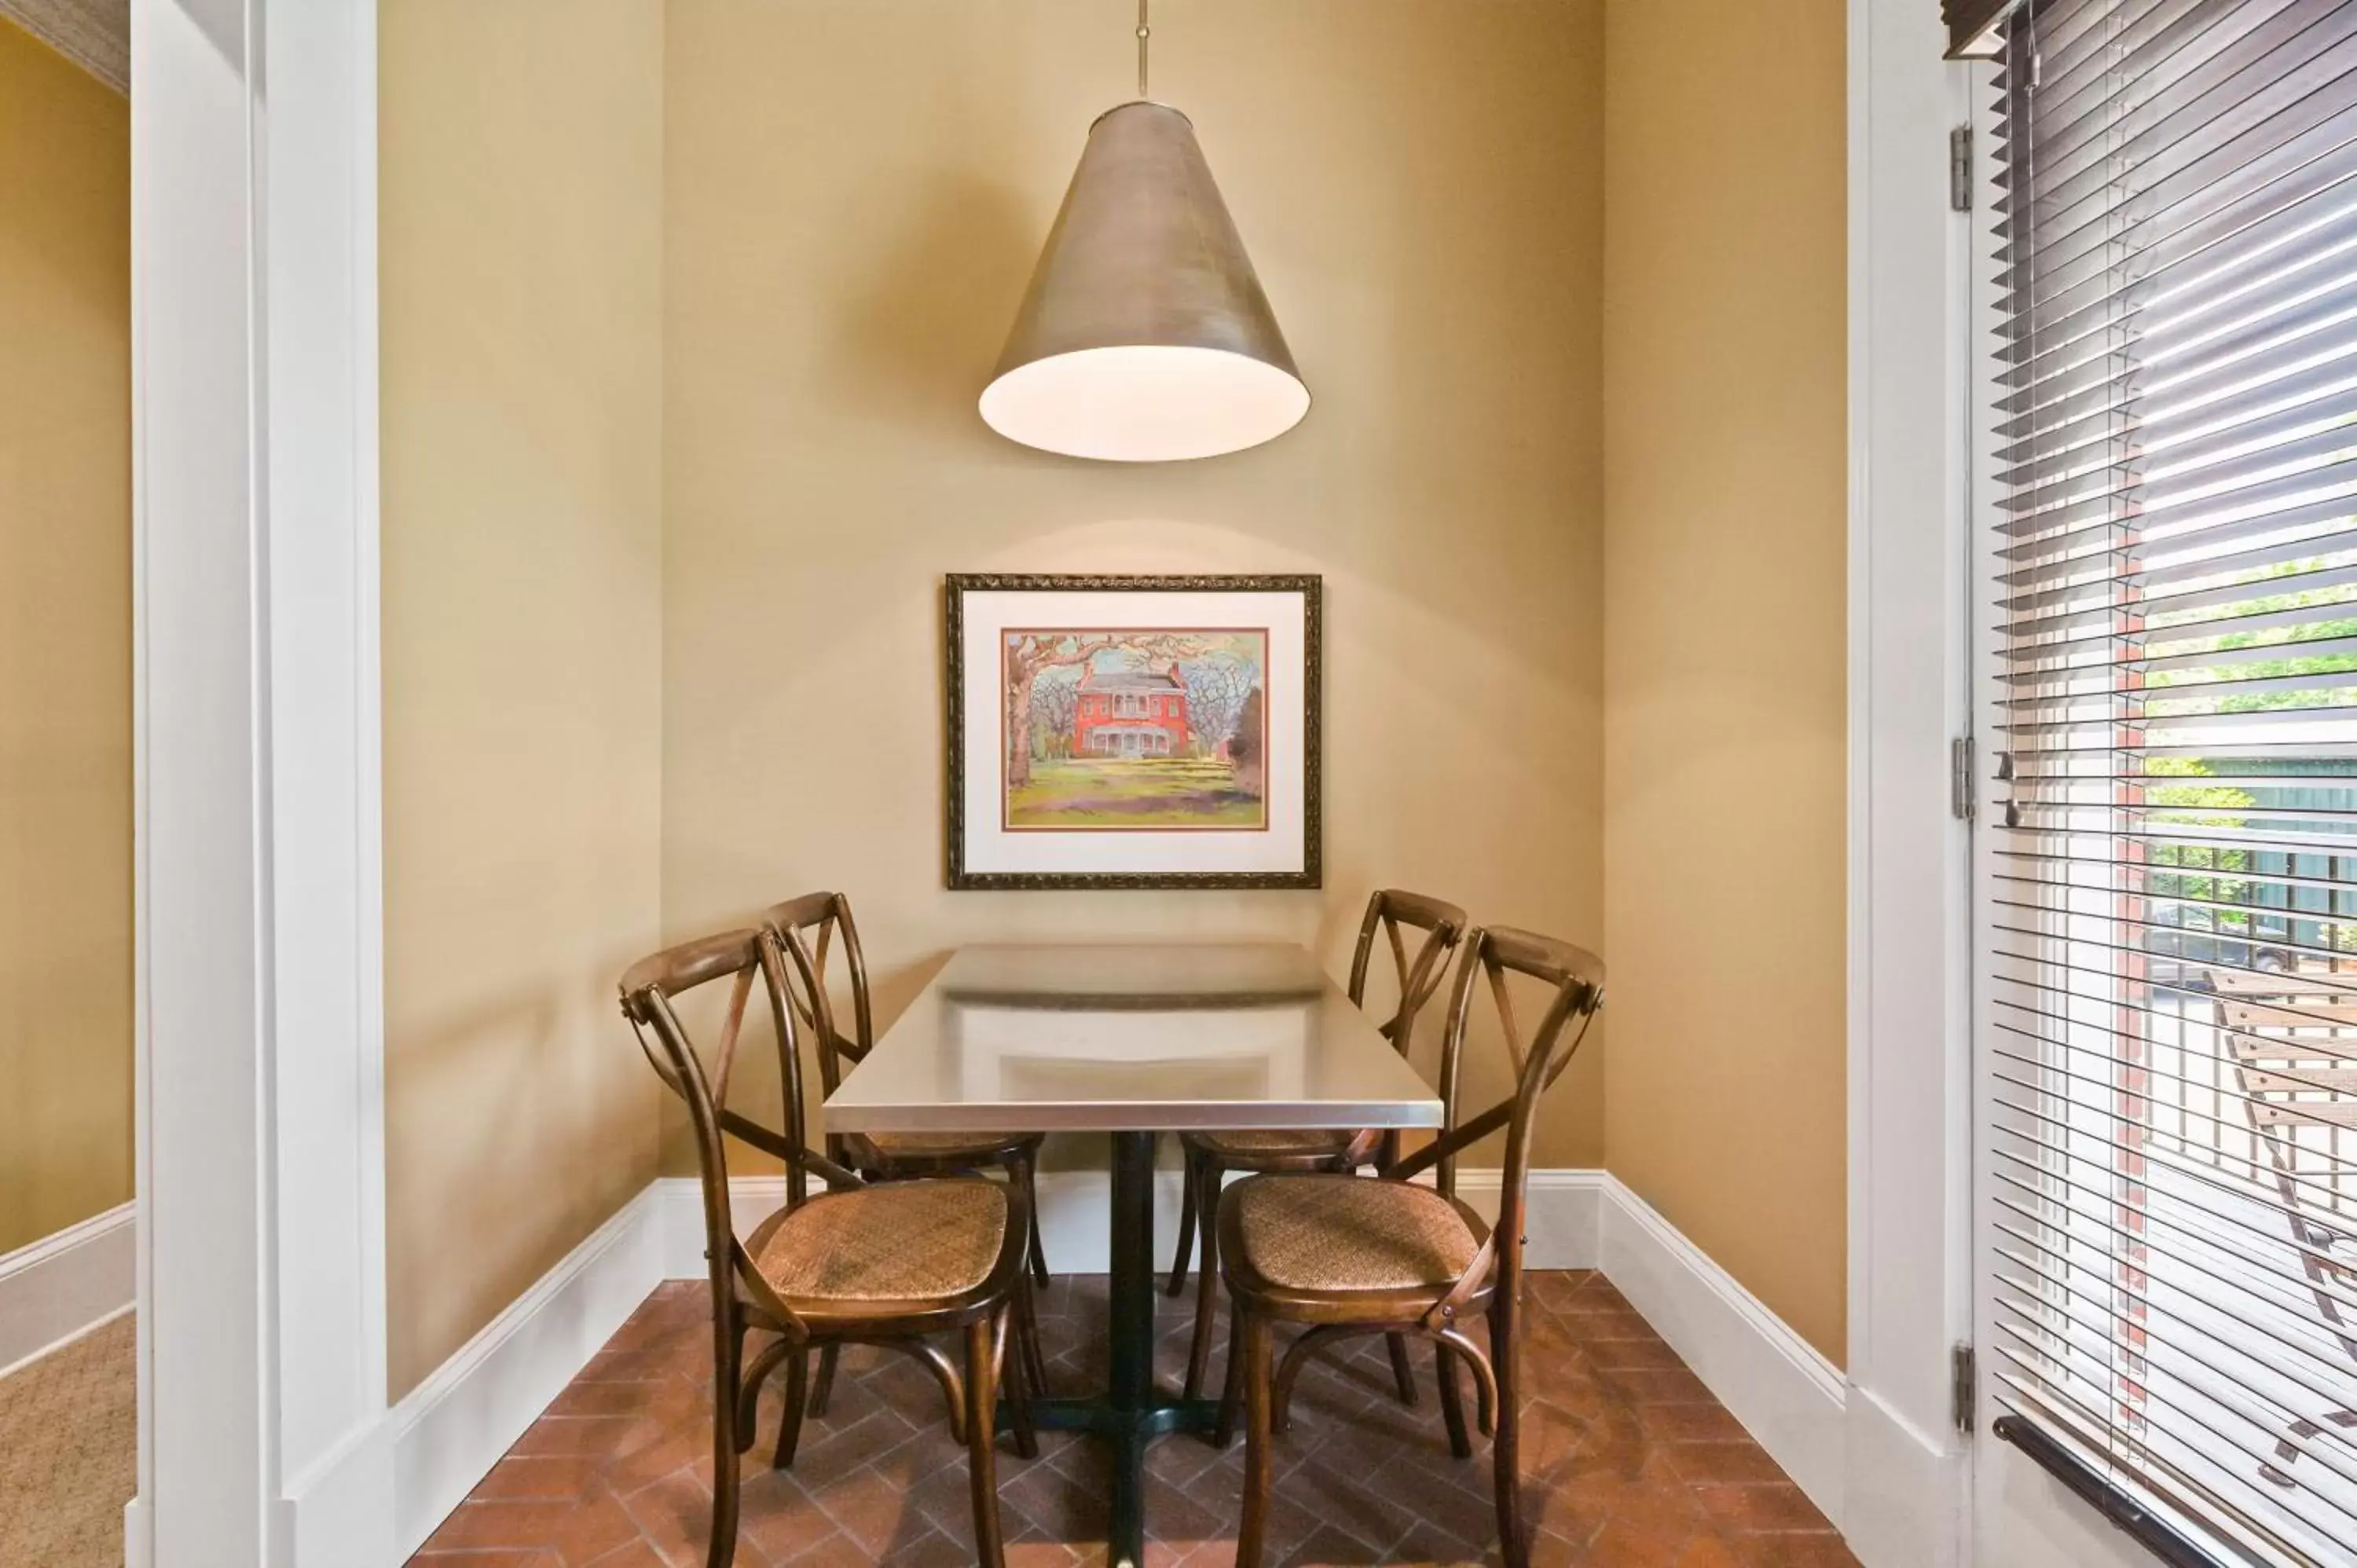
{"x":70,"y":1452}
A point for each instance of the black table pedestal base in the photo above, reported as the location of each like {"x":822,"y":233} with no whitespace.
{"x":1132,"y":1413}
{"x":1127,"y":1433}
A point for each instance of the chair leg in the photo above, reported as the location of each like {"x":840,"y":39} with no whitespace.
{"x":790,"y":1425}
{"x":1026,"y":1172}
{"x":1232,"y":1391}
{"x":1186,"y":1229}
{"x":1026,"y":1339}
{"x":1402,"y":1370}
{"x":1015,"y":1383}
{"x":727,"y":1389}
{"x":823,"y":1388}
{"x":1253,"y":1350}
{"x":946,"y":1373}
{"x":1505,"y":1449}
{"x":981,"y":1451}
{"x":1452,"y":1403}
{"x":2288,"y":1447}
{"x":1207,"y":1283}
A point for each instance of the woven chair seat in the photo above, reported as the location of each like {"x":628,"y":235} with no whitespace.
{"x":939,"y":1146}
{"x":1350,"y":1233}
{"x":1260,"y":1143}
{"x":899,"y":1242}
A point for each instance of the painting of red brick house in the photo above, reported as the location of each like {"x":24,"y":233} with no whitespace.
{"x":1130,"y":712}
{"x":1143,"y":730}
{"x":1114,"y":731}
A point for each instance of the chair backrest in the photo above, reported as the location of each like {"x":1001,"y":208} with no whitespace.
{"x":1443,"y":924}
{"x":2293,"y":1042}
{"x":811,"y":929}
{"x":1575,"y":979}
{"x":743,"y":958}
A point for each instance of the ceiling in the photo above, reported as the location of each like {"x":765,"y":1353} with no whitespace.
{"x":93,"y":33}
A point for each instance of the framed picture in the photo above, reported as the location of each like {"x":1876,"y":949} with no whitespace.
{"x":1132,"y":732}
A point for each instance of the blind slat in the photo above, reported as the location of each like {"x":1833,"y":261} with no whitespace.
{"x":2160,"y":421}
{"x":2211,"y":175}
{"x":2171,"y":926}
{"x":2115,"y":644}
{"x":2137,"y":98}
{"x":2150,"y":157}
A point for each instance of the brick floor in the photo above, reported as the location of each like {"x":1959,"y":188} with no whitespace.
{"x":1628,"y":1463}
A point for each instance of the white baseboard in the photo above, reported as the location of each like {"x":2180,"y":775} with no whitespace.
{"x":451,"y":1431}
{"x":342,"y":1511}
{"x":1563,"y":1216}
{"x":61,"y":1287}
{"x":1904,"y":1501}
{"x":1783,"y":1391}
{"x":1071,"y":1218}
{"x":138,"y":1535}
{"x":452,"y":1428}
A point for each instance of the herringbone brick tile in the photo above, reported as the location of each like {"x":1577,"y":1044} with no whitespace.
{"x":1627,"y":1462}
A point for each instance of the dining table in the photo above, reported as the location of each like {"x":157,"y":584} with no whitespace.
{"x":1131,"y":1040}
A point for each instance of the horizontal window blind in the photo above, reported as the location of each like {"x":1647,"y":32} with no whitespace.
{"x":2171,"y":1177}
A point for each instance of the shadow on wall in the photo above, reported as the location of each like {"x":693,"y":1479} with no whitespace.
{"x":539,"y":1129}
{"x":756,"y":1091}
{"x":923,"y":326}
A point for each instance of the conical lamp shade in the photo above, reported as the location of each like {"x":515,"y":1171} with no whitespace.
{"x":1144,"y":337}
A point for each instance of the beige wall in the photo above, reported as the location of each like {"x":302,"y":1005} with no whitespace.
{"x":856,"y":196}
{"x":685,"y":310}
{"x":522,"y":275}
{"x":1724,"y":643}
{"x":65,"y":643}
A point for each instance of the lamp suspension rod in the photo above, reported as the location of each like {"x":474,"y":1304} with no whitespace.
{"x":1145,"y":34}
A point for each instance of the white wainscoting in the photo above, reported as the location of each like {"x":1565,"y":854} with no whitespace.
{"x":57,"y":1289}
{"x":451,"y":1429}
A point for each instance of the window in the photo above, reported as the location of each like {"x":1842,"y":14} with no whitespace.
{"x":2172,"y":1164}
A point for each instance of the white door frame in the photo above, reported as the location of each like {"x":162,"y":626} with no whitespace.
{"x":1905,"y":1486}
{"x":259,"y":1066}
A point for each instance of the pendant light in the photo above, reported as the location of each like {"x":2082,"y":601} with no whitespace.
{"x":1144,"y":337}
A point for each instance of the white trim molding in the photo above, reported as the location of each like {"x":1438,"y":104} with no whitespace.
{"x":1071,"y":1218}
{"x":258,"y":1065}
{"x":1910,"y":964}
{"x":449,"y":1431}
{"x":1564,"y":1218}
{"x":1562,"y":1231}
{"x":1783,"y":1391}
{"x":54,"y":1290}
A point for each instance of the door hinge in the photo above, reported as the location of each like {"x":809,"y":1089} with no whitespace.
{"x":1960,"y":169}
{"x":1963,"y":1384}
{"x":1961,"y":785}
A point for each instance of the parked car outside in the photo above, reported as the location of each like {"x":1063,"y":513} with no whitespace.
{"x":2184,"y":944}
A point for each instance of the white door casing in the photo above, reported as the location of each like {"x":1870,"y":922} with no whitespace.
{"x":1909,"y":955}
{"x":259,"y":1054}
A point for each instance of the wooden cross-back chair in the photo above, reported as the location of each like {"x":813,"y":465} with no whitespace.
{"x":883,"y":1264}
{"x":1210,"y":1156}
{"x":1346,"y":1255}
{"x":812,"y":929}
{"x":2294,"y":1045}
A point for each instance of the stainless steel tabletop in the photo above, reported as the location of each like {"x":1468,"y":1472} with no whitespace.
{"x":1123,"y":1037}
